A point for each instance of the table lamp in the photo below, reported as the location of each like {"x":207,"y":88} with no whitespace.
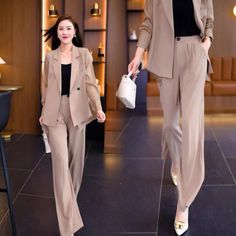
{"x":1,"y":62}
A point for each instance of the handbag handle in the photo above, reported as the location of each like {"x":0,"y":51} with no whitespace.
{"x":130,"y":73}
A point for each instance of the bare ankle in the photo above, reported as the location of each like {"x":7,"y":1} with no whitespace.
{"x":174,"y":169}
{"x":182,"y":214}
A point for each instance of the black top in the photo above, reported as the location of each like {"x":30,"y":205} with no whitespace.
{"x":184,"y":21}
{"x":65,"y":79}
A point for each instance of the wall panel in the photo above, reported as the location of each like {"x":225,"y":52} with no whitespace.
{"x":20,"y":48}
{"x":225,"y":29}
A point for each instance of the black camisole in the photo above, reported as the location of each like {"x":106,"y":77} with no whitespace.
{"x":65,"y":79}
{"x":184,"y":20}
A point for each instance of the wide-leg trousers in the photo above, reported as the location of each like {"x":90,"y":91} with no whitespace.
{"x":67,"y":144}
{"x":183,"y":96}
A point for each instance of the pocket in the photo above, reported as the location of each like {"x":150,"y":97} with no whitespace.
{"x":203,"y":50}
{"x":203,"y":56}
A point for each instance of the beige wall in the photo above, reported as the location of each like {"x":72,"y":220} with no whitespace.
{"x":225,"y":28}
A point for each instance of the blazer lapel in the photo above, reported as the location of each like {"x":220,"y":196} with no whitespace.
{"x":57,"y":67}
{"x":76,"y":64}
{"x":168,"y":8}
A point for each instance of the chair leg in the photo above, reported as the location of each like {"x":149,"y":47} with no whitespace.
{"x":8,"y":188}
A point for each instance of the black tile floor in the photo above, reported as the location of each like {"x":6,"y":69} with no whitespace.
{"x":129,"y":194}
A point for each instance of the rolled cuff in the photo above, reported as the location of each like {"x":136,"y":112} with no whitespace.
{"x":209,"y":28}
{"x":209,"y":33}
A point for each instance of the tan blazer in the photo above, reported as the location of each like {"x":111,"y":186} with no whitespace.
{"x":84,"y":93}
{"x":157,"y":32}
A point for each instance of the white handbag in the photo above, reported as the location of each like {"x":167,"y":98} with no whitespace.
{"x":45,"y":139}
{"x":127,"y":91}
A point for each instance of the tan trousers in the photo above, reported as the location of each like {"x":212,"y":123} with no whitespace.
{"x":67,"y":148}
{"x":184,"y":95}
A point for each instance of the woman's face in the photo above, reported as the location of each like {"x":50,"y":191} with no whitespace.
{"x":65,"y":31}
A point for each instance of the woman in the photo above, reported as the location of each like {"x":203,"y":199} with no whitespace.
{"x":178,"y":35}
{"x":70,"y":99}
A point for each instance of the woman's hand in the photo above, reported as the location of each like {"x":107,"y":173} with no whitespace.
{"x":134,"y":64}
{"x":206,"y":44}
{"x":41,"y":120}
{"x":101,"y":117}
{"x":133,"y":67}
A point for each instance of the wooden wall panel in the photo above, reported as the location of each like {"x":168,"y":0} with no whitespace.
{"x":117,"y":40}
{"x":20,"y":47}
{"x":96,"y":22}
{"x":74,"y":8}
{"x":225,"y":29}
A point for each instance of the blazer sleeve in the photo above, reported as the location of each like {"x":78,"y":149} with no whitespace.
{"x":44,"y":81}
{"x":210,"y":20}
{"x":91,"y":83}
{"x":145,"y":30}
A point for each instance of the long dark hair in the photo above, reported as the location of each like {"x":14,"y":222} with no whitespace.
{"x":52,"y":33}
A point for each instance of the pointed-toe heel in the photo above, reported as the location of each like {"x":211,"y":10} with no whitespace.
{"x":180,"y":227}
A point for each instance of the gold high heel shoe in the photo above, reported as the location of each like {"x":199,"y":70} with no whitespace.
{"x":174,"y":177}
{"x":180,"y":226}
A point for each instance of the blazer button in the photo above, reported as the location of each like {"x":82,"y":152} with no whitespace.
{"x":78,"y":89}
